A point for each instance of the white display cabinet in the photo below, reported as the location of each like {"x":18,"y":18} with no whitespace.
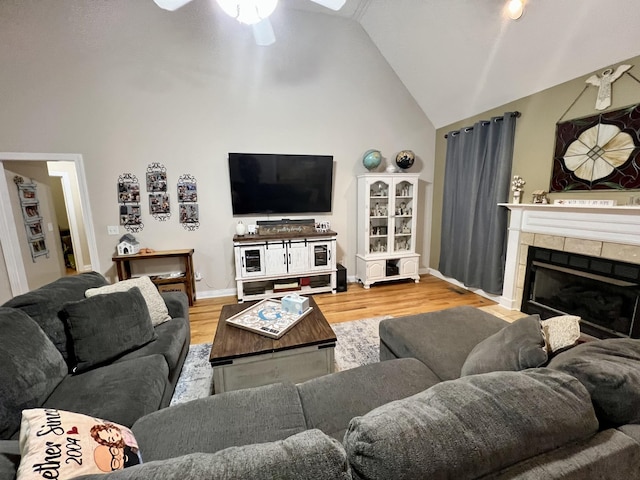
{"x":387,"y":217}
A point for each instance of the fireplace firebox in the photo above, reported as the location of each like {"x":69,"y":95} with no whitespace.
{"x":604,"y":293}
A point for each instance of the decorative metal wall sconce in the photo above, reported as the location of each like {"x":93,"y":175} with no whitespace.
{"x":187,"y":202}
{"x":129,"y":202}
{"x":159,"y":205}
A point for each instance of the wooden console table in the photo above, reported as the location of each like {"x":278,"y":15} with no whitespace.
{"x":186,"y":282}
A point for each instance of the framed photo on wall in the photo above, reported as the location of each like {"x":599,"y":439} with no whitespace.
{"x":27,"y":193}
{"x":34,"y":230}
{"x":31,"y":211}
{"x":38,"y":247}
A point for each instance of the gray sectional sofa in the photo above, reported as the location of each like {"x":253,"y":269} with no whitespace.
{"x":37,"y":357}
{"x":413,"y":416}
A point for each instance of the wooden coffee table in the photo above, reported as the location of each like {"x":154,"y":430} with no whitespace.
{"x":243,"y":359}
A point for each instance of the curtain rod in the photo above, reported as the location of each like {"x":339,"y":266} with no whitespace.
{"x":515,"y":114}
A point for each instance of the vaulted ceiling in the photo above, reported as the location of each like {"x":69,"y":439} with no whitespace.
{"x":459,"y":58}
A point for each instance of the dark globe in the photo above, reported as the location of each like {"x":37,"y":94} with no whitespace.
{"x":405,"y":159}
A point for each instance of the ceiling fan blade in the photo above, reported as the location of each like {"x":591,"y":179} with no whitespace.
{"x":332,"y":4}
{"x":171,"y":5}
{"x":263,"y":33}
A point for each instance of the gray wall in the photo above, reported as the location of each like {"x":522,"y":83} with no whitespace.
{"x":125,"y":84}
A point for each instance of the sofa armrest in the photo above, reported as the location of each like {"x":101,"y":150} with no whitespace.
{"x":177,"y":304}
{"x":9,"y":459}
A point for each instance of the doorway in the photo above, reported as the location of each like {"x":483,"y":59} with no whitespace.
{"x":63,"y":165}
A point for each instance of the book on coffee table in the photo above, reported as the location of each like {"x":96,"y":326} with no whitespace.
{"x":267,"y":318}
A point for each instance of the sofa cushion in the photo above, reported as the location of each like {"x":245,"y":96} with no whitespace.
{"x":518,"y":346}
{"x":441,"y":340}
{"x":157,"y":308}
{"x":610,"y":370}
{"x":469,"y":427}
{"x":240,"y":417}
{"x":121,"y":392}
{"x":104,"y":327}
{"x":171,"y":338}
{"x":331,"y":401}
{"x":44,"y":304}
{"x":59,"y":444}
{"x":31,"y":367}
{"x":309,"y":455}
{"x":609,"y":454}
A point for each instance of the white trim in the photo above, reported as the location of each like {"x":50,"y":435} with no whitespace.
{"x":453,"y":281}
{"x":8,"y":233}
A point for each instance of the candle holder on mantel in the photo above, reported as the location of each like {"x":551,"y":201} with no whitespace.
{"x":517,"y":187}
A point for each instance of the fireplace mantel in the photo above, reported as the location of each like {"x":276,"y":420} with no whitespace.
{"x":609,"y":225}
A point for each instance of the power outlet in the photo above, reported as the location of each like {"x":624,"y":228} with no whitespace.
{"x":113,"y":230}
{"x":198,"y":276}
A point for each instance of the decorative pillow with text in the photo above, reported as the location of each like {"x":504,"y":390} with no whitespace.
{"x":59,"y":444}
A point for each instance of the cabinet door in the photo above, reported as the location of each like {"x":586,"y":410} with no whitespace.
{"x":298,"y":257}
{"x":403,"y":202}
{"x":276,"y":259}
{"x":321,"y":255}
{"x":379,"y":209}
{"x":252,"y":261}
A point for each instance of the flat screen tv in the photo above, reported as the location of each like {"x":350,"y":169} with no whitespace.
{"x":264,"y":183}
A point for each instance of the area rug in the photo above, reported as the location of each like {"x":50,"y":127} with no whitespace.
{"x":358,"y":344}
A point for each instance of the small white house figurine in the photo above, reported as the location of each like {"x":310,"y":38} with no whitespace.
{"x":128,"y":245}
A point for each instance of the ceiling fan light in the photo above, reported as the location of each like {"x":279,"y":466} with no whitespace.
{"x":171,"y":5}
{"x":249,"y":12}
{"x":515,"y":9}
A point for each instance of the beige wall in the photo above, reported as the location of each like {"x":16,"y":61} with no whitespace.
{"x":535,"y":138}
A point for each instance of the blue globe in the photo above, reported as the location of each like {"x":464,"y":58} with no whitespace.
{"x":372,"y":159}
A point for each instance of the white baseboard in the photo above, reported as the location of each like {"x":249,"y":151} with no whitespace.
{"x":478,"y":291}
{"x":228,"y":292}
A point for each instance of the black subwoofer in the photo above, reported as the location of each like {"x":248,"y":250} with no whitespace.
{"x":341,"y":278}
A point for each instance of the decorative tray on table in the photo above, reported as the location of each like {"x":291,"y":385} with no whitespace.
{"x":267,"y":318}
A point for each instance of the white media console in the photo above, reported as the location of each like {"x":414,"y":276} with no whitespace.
{"x":275,"y":264}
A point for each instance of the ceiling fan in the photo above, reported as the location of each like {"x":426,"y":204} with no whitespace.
{"x":251,"y":12}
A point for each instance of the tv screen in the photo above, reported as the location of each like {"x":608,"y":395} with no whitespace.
{"x":273,"y":184}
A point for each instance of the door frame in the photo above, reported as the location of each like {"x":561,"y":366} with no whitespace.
{"x":8,"y":229}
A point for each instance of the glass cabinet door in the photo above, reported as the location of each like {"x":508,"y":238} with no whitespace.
{"x":403,"y":221}
{"x":252,"y":261}
{"x":379,"y":207}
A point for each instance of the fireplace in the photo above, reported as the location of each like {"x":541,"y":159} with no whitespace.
{"x":604,"y":293}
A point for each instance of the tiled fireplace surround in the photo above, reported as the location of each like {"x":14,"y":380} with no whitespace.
{"x":607,"y":232}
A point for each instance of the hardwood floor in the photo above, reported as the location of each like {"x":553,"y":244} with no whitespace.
{"x":396,"y":299}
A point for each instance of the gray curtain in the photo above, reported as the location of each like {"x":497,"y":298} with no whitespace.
{"x":474,"y":227}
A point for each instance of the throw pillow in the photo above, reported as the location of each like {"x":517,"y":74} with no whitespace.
{"x":309,"y":455}
{"x":518,"y":346}
{"x":561,"y":332}
{"x":610,"y":370}
{"x":155,"y":303}
{"x":59,"y":444}
{"x":31,"y":368}
{"x":469,"y":427}
{"x":103,"y":327}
